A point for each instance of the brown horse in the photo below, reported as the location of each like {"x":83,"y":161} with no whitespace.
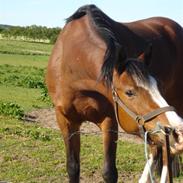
{"x":104,"y":71}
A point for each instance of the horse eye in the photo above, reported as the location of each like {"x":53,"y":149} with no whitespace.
{"x":130,"y":93}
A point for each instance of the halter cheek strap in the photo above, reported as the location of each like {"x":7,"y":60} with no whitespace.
{"x":139,"y":119}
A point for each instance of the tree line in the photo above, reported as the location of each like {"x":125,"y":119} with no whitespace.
{"x":30,"y":33}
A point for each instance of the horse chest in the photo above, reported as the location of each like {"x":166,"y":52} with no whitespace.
{"x":92,"y":107}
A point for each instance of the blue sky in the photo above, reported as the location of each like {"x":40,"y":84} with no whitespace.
{"x":52,"y":13}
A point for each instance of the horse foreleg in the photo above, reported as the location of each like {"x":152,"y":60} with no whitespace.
{"x":69,"y":131}
{"x":148,"y":167}
{"x":110,"y":136}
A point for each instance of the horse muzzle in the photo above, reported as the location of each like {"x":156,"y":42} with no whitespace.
{"x":177,"y":147}
{"x":158,"y":136}
{"x":175,"y":135}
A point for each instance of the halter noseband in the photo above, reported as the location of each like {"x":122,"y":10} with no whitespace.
{"x":139,"y":119}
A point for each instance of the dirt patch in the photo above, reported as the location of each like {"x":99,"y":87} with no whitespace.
{"x":46,"y":117}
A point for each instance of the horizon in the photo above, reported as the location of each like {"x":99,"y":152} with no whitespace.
{"x":27,"y":25}
{"x":53,"y":13}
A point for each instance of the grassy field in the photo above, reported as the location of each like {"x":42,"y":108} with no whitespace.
{"x":39,"y":61}
{"x":24,"y":48}
{"x":31,"y":153}
{"x":27,"y":98}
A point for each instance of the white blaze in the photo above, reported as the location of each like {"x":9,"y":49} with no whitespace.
{"x":172,"y":116}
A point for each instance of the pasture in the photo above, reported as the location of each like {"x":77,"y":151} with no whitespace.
{"x":31,"y":153}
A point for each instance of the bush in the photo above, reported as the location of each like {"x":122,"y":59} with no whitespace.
{"x":11,"y":109}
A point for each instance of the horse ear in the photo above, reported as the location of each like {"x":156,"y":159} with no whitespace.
{"x":146,"y":55}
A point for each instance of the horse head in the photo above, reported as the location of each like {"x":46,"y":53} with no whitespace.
{"x":140,"y":106}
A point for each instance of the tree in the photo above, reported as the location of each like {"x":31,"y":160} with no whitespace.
{"x":33,"y":33}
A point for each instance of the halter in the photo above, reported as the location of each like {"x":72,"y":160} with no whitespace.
{"x":139,"y":119}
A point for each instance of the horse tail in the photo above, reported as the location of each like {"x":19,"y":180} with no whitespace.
{"x":176,"y":163}
{"x":104,"y":27}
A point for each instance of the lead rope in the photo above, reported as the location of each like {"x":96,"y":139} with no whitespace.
{"x":157,"y":130}
{"x":147,"y":156}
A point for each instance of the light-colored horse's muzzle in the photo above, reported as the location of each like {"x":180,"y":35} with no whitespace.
{"x":177,"y":147}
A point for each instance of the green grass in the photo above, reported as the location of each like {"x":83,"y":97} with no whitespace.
{"x":24,"y":48}
{"x":39,"y":61}
{"x":21,"y":69}
{"x":27,"y":98}
{"x":11,"y":109}
{"x":30,"y":153}
{"x":24,"y":76}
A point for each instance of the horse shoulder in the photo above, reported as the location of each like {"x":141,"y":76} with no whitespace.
{"x":74,"y":69}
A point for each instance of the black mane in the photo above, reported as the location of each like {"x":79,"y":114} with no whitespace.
{"x":114,"y":55}
{"x":138,"y":71}
{"x":103,"y":25}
